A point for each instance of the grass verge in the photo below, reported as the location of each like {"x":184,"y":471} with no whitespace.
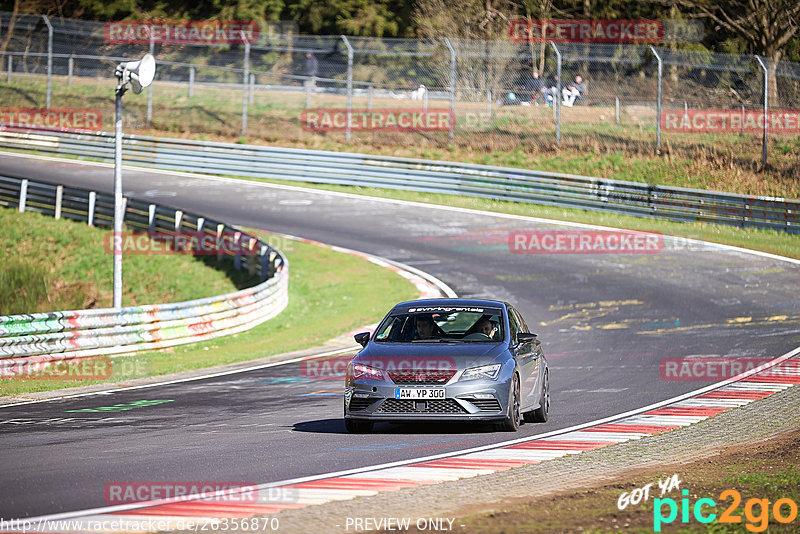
{"x":53,"y":265}
{"x":766,"y":470}
{"x":592,"y":144}
{"x":327,"y":297}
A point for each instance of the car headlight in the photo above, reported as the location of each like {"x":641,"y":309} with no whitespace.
{"x":366,"y":372}
{"x":484,"y":371}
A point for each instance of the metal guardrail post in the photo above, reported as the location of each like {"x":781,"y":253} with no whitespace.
{"x":658,"y":101}
{"x":59,"y":199}
{"x":23,"y":195}
{"x":452,"y":88}
{"x":244,"y":81}
{"x":191,"y":81}
{"x":149,"y":118}
{"x":49,"y":58}
{"x":766,"y":109}
{"x":557,"y":96}
{"x":349,"y":86}
{"x":90,"y":211}
{"x":70,"y":66}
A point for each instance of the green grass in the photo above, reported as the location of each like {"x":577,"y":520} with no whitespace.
{"x":592,"y":144}
{"x":51,"y":265}
{"x":330,"y":293}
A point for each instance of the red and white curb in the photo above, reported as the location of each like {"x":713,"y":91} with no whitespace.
{"x":672,"y":414}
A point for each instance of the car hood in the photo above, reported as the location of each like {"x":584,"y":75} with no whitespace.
{"x":431,"y":355}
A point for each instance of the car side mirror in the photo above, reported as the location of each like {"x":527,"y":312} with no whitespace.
{"x":362,"y":338}
{"x":525,"y":337}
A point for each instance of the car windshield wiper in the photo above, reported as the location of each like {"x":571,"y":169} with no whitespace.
{"x":436,"y":340}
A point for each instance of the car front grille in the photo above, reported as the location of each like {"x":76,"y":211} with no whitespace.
{"x":421,"y":377}
{"x":360,"y":404}
{"x":486,"y":405}
{"x":430,"y":406}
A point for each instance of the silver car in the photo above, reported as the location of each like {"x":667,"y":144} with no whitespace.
{"x":448,"y":360}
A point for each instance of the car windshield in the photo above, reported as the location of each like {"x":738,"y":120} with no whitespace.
{"x":442,"y":325}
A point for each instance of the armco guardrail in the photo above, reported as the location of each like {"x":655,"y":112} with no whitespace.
{"x":521,"y":185}
{"x":69,"y":334}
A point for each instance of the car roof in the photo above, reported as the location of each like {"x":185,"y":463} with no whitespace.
{"x":424,"y":303}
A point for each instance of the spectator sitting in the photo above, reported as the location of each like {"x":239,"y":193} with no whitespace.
{"x":533,"y":86}
{"x":573,"y":91}
{"x":551,"y":92}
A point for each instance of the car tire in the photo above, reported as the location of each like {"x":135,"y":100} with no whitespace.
{"x":514,"y":419}
{"x":539,"y":415}
{"x":358,"y":426}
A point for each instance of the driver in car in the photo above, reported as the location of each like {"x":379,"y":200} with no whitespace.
{"x":425,"y":327}
{"x":487,"y":327}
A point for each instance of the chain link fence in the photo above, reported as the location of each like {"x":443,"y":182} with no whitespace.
{"x":495,"y":95}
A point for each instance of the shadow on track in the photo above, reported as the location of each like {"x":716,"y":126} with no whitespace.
{"x":336,"y":426}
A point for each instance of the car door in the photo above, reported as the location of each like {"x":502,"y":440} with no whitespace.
{"x":529,"y":358}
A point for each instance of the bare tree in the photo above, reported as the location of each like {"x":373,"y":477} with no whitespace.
{"x":766,"y":26}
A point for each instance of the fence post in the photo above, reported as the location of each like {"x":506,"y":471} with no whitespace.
{"x":349,"y":85}
{"x":252,"y":87}
{"x":10,"y":68}
{"x":489,"y":102}
{"x":244,"y":81}
{"x":201,"y":223}
{"x":151,"y":217}
{"x":452,"y":88}
{"x":658,"y":102}
{"x":70,"y":65}
{"x":766,"y":109}
{"x":49,"y":58}
{"x":59,"y":199}
{"x":178,"y":220}
{"x":150,"y":87}
{"x":191,"y":81}
{"x":685,"y":115}
{"x":23,"y":195}
{"x":369,"y":98}
{"x":557,"y":96}
{"x":617,"y":111}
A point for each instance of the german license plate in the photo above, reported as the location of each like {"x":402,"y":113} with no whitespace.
{"x":419,"y":393}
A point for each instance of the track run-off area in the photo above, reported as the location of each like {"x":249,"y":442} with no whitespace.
{"x":612,"y":325}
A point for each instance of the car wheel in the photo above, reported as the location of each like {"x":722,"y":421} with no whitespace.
{"x":539,"y":415}
{"x":512,"y":422}
{"x":358,"y":426}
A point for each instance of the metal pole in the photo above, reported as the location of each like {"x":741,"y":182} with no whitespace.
{"x":658,"y":102}
{"x":49,"y":58}
{"x":489,"y":102}
{"x":70,"y":66}
{"x":766,"y":109}
{"x":118,"y":213}
{"x":685,"y":115}
{"x":244,"y":82}
{"x":10,"y":68}
{"x":557,"y":96}
{"x":150,"y":87}
{"x":252,"y":87}
{"x":369,"y":98}
{"x":349,"y":86}
{"x":617,"y":114}
{"x":452,"y":88}
{"x":191,"y":81}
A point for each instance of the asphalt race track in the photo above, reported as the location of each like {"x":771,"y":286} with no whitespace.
{"x":606,"y":321}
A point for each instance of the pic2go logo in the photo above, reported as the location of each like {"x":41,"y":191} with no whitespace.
{"x":756,"y":511}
